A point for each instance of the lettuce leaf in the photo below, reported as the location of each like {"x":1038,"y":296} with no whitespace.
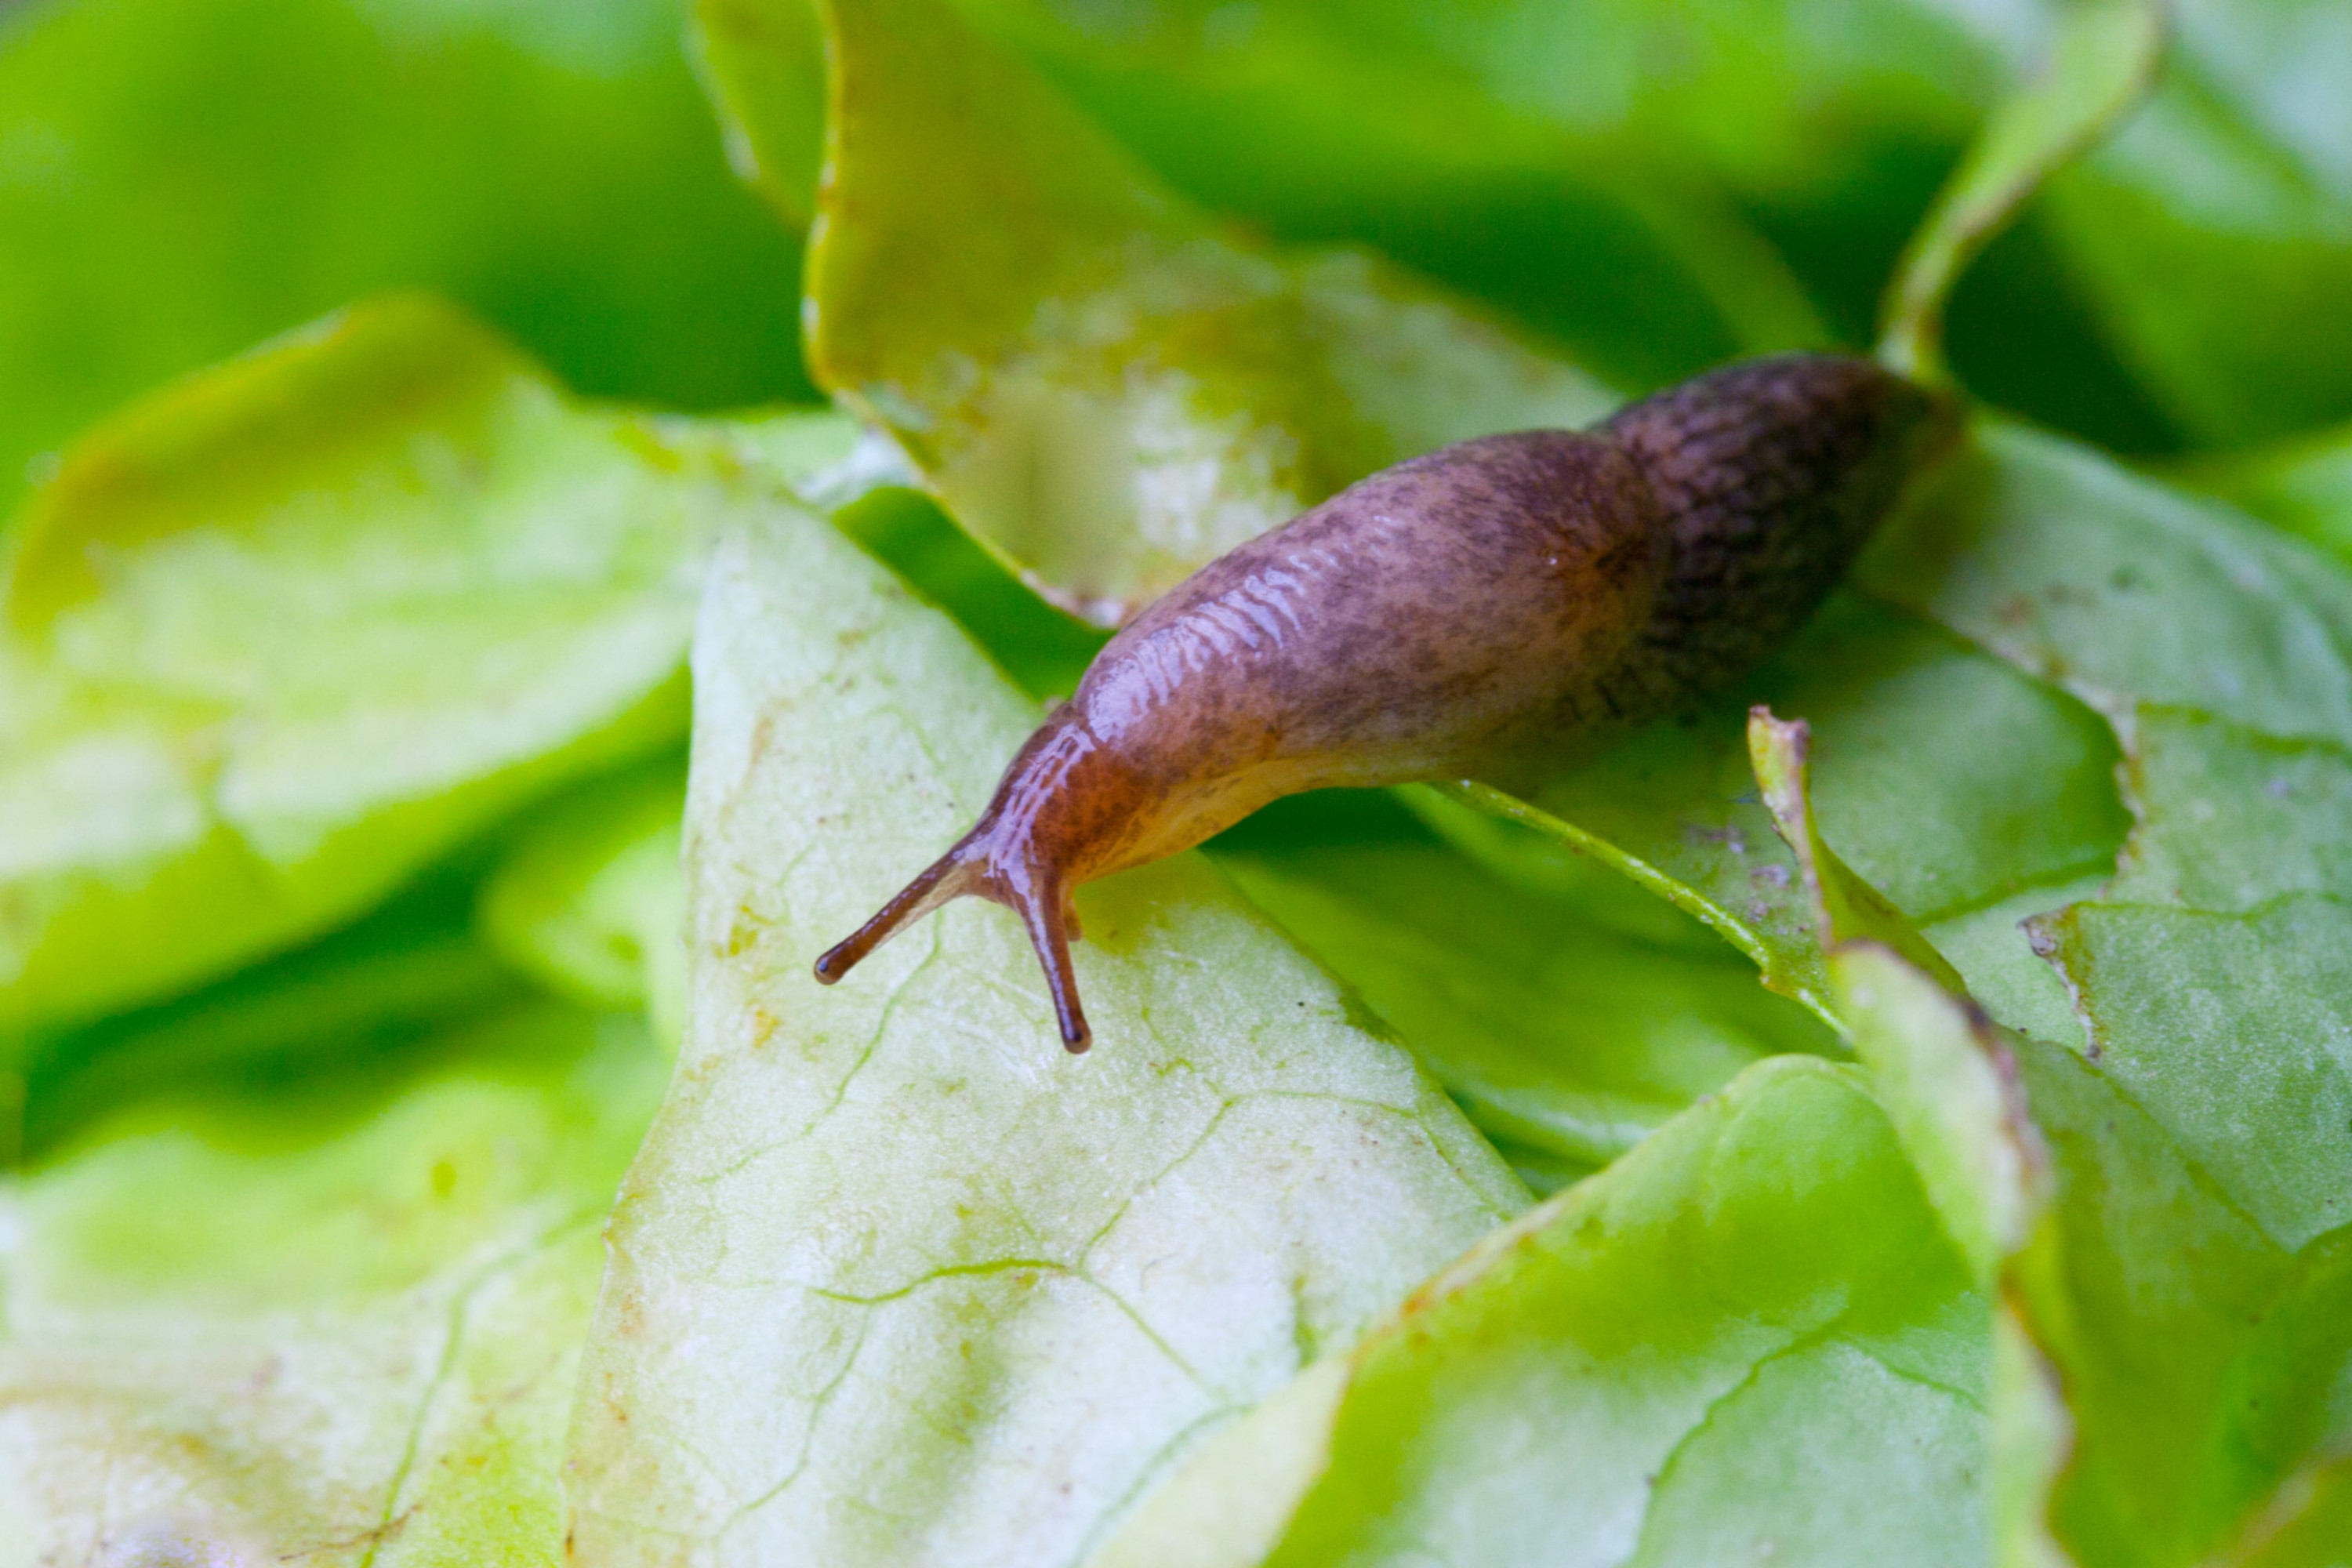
{"x":1955,"y":783}
{"x":590,"y":900}
{"x":1642,"y":274}
{"x":280,"y":635}
{"x":1745,"y":1341}
{"x":2303,"y":487}
{"x":2163,"y":1204}
{"x":1556,"y":1032}
{"x":1101,"y":385}
{"x":986,"y":1291}
{"x":2120,"y":312}
{"x":181,"y":178}
{"x":334,"y":1319}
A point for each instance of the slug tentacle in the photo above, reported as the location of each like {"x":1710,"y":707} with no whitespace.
{"x":1019,"y":854}
{"x":951,"y":875}
{"x":1498,"y":606}
{"x":1046,"y":913}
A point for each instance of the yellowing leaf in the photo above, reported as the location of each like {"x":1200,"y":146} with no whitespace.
{"x":1102,"y":385}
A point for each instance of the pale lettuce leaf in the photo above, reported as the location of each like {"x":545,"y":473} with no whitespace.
{"x":895,"y":1279}
{"x":1102,"y":384}
{"x":334,"y":1320}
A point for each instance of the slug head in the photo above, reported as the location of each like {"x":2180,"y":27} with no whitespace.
{"x":1027,"y":851}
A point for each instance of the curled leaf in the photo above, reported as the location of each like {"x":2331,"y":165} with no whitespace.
{"x":277,"y":636}
{"x":2101,"y":61}
{"x":1104,"y":386}
{"x":1946,"y":1077}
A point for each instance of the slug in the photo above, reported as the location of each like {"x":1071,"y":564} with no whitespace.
{"x":1492,"y":608}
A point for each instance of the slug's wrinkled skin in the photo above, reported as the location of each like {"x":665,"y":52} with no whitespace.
{"x":1490,"y":608}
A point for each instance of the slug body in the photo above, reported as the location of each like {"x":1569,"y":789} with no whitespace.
{"x":1482,"y":611}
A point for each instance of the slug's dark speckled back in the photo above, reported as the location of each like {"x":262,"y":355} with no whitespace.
{"x":1773,"y":474}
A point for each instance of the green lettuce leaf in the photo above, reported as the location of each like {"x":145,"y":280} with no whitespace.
{"x":979,"y":1292}
{"x":181,"y":178}
{"x":410,"y":966}
{"x":2303,"y":487}
{"x":2121,"y":311}
{"x":1953,"y":783}
{"x":1829,"y":132}
{"x":1101,"y":385}
{"x":2164,"y":1201}
{"x":1556,"y":1031}
{"x":2232,"y":183}
{"x":1643,"y":274}
{"x":1746,"y":1341}
{"x":1972,"y":796}
{"x":589,"y":899}
{"x":2101,"y":59}
{"x":2305,"y":1525}
{"x":2198,"y":1115}
{"x":334,"y":1320}
{"x":2120,"y":590}
{"x":278,"y":636}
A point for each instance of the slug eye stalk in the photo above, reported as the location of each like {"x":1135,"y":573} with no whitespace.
{"x":1041,"y":901}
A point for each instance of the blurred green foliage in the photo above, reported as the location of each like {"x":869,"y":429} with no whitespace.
{"x":345,"y":846}
{"x":180,"y":179}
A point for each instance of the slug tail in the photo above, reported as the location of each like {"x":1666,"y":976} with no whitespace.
{"x":950,"y":876}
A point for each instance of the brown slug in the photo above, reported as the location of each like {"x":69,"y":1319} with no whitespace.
{"x":1490,"y":608}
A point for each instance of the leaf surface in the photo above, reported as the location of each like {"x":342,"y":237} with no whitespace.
{"x":2303,"y":487}
{"x":2232,"y":182}
{"x":336,"y":1319}
{"x":2120,"y":312}
{"x":278,"y":636}
{"x":2174,"y":1268}
{"x":181,"y":178}
{"x":1102,"y":385}
{"x":1555,"y":1031}
{"x":1945,"y":780}
{"x":589,"y":899}
{"x":1745,"y":1340}
{"x":987,"y":1291}
{"x":2101,"y":59}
